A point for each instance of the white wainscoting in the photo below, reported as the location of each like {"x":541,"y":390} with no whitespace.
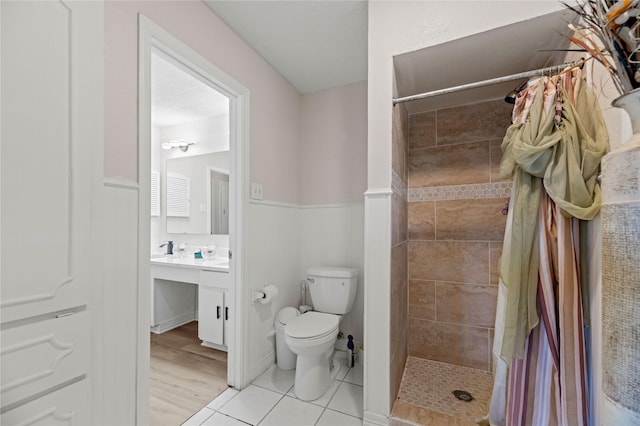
{"x":376,"y":310}
{"x":273,"y":255}
{"x":333,"y":235}
{"x":120,"y":301}
{"x":283,"y":240}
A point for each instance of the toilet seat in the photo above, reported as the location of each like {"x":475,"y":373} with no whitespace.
{"x":312,"y":325}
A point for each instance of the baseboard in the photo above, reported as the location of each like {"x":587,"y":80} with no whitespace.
{"x":172,"y":323}
{"x":222,"y":348}
{"x":261,"y":366}
{"x":374,"y":419}
{"x":616,"y":414}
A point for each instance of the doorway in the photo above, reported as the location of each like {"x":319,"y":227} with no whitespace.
{"x":189,"y":138}
{"x":157,"y":43}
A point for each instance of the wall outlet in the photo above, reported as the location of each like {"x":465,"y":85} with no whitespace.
{"x":256,"y":191}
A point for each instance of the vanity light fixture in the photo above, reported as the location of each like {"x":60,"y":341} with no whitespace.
{"x":182,"y":144}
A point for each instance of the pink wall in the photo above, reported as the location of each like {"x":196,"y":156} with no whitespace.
{"x":333,"y":153}
{"x":275,"y":104}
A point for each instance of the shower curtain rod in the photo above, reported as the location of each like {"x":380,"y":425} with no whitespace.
{"x":540,"y":72}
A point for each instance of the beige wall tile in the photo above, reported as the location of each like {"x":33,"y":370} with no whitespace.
{"x":422,"y":299}
{"x":454,"y":261}
{"x":398,"y":360}
{"x":476,"y":122}
{"x":495,"y":251}
{"x":422,"y":220}
{"x":395,"y":219}
{"x":399,"y":141}
{"x":422,"y":130}
{"x":451,"y":343}
{"x":475,"y":220}
{"x":455,"y":146}
{"x":403,"y":124}
{"x":492,"y":335}
{"x":399,"y":317}
{"x":395,"y":158}
{"x":467,"y":304}
{"x":402,"y":121}
{"x":399,"y":292}
{"x":398,"y":219}
{"x":449,"y":165}
{"x":496,"y":157}
{"x":404,"y":220}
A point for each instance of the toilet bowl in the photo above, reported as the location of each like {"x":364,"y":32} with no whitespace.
{"x":311,"y":337}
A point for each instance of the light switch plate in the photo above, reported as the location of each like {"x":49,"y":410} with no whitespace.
{"x":256,"y":191}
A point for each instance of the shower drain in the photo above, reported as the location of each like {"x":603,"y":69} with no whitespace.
{"x":462,"y":395}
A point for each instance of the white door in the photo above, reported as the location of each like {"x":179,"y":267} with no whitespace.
{"x":51,"y":171}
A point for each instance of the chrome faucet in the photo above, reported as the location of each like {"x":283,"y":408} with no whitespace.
{"x":169,"y":245}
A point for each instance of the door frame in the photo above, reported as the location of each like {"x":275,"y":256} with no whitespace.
{"x":218,"y":170}
{"x":152,"y":36}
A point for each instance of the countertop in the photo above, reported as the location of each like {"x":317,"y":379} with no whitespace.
{"x":219,"y":264}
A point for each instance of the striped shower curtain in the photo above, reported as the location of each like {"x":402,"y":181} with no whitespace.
{"x":553,"y":151}
{"x":548,"y":386}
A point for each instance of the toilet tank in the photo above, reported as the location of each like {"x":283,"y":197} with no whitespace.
{"x":333,"y":289}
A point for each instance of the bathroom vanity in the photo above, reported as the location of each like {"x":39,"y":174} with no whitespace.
{"x":185,"y":289}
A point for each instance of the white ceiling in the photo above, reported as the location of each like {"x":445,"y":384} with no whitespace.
{"x":522,"y":46}
{"x":315,"y":45}
{"x":322,"y":44}
{"x":178,"y":97}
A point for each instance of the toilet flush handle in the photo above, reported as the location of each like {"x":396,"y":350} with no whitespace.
{"x":311,"y":280}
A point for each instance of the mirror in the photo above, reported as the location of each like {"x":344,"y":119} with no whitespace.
{"x":197,"y":194}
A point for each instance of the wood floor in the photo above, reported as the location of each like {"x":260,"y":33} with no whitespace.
{"x":185,"y":376}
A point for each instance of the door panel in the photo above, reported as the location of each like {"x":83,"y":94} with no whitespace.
{"x":67,"y":406}
{"x":45,"y":163}
{"x":43,"y":355}
{"x":50,"y":188}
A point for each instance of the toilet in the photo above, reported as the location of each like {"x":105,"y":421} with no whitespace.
{"x":312,"y":336}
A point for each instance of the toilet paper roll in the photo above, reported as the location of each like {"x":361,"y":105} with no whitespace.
{"x":270,"y":291}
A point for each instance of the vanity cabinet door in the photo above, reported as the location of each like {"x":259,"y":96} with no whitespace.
{"x":211,"y":315}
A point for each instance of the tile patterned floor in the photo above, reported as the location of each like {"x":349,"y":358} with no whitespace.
{"x":270,"y":400}
{"x":428,"y":386}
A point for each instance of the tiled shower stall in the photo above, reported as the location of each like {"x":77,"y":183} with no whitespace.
{"x":448,"y":225}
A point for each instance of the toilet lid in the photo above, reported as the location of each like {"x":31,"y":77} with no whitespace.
{"x":287,"y":314}
{"x":312,"y":324}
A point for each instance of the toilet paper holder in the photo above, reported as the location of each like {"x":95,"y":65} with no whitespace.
{"x":265,"y":294}
{"x":257,"y":295}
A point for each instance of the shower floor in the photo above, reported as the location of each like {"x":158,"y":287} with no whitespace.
{"x":426,"y":398}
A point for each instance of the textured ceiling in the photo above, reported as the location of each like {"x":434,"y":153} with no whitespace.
{"x":315,"y":45}
{"x":178,"y":97}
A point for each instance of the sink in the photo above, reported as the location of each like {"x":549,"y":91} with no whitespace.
{"x":189,"y":261}
{"x":218,"y":261}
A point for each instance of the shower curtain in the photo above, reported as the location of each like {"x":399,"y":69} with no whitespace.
{"x":553,"y":151}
